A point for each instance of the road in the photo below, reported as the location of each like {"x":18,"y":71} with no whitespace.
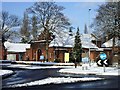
{"x":24,"y":76}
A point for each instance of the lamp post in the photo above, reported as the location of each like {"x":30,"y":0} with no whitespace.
{"x":89,"y":37}
{"x":70,"y":31}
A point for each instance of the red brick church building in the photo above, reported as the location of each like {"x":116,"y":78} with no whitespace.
{"x":57,"y":48}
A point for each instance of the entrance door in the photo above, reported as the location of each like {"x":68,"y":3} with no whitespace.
{"x":39,"y":52}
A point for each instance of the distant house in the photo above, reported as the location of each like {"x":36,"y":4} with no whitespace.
{"x":109,"y":43}
{"x":112,"y":50}
{"x":15,"y":51}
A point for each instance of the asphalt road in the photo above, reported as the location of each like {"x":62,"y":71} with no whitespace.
{"x":24,"y":76}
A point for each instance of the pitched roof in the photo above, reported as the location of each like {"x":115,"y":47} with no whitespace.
{"x":109,"y":43}
{"x":16,"y":47}
{"x":65,"y":40}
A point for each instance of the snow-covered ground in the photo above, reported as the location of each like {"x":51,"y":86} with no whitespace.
{"x":94,"y":69}
{"x":5,"y":72}
{"x":39,"y":65}
{"x":56,"y":80}
{"x":44,"y":63}
{"x":22,"y":66}
{"x":84,"y":69}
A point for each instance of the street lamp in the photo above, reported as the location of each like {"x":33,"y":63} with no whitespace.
{"x":70,"y":31}
{"x":89,"y":37}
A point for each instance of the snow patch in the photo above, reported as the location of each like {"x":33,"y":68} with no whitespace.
{"x":92,"y":70}
{"x":5,"y":72}
{"x":44,"y":63}
{"x":57,"y":80}
{"x":35,"y":67}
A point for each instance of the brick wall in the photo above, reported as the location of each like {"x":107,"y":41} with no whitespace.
{"x":34,"y":54}
{"x":1,"y":57}
{"x":2,"y":52}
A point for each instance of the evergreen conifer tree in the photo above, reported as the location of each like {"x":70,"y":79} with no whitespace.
{"x":34,"y":27}
{"x":25,"y":29}
{"x":77,"y":49}
{"x":85,"y":29}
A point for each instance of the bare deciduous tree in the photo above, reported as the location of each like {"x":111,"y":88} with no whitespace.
{"x":105,"y":21}
{"x":8,"y":21}
{"x":51,"y":18}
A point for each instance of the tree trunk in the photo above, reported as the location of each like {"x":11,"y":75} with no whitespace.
{"x":113,"y":47}
{"x":47,"y":44}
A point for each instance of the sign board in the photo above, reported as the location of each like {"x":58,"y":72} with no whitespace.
{"x":85,"y":60}
{"x":102,"y":60}
{"x":41,"y":57}
{"x":66,"y":58}
{"x":103,"y":56}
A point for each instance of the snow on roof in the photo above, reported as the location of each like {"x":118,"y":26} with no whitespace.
{"x":65,"y":40}
{"x":61,"y":40}
{"x":87,"y":37}
{"x":110,"y":43}
{"x":86,"y":44}
{"x":16,"y":47}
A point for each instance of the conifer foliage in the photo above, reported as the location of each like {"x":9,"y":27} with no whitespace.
{"x":34,"y":28}
{"x":25,"y":29}
{"x":77,"y":49}
{"x":85,"y":29}
{"x":7,"y":22}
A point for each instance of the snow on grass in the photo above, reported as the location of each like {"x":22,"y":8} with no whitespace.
{"x":43,"y":67}
{"x":85,"y":69}
{"x":56,"y":80}
{"x":5,"y":72}
{"x":19,"y":65}
{"x":112,"y":72}
{"x":43,"y":63}
{"x":22,"y":66}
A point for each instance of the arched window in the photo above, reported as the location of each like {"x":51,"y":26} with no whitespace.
{"x":39,"y":51}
